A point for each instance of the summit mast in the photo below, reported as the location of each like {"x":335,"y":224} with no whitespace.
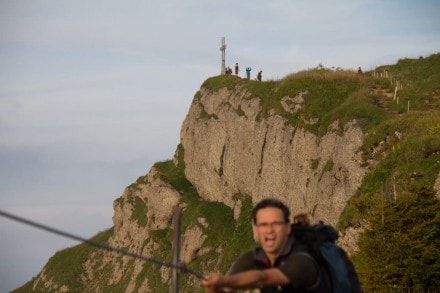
{"x":223,"y":49}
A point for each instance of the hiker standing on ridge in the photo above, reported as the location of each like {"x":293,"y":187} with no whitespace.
{"x":259,"y":75}
{"x":248,"y":72}
{"x":236,"y":68}
{"x":281,"y":264}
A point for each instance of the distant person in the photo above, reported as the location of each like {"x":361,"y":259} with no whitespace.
{"x":248,"y":72}
{"x":229,"y":71}
{"x":259,"y":75}
{"x":360,"y":70}
{"x":236,"y":68}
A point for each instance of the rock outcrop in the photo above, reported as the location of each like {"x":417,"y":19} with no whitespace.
{"x":231,"y":151}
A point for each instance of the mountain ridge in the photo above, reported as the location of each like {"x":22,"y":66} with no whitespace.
{"x":316,"y":139}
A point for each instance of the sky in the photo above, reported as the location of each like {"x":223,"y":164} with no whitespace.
{"x":93,"y":93}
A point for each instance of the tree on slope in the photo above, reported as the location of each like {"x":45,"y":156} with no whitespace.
{"x":401,"y":248}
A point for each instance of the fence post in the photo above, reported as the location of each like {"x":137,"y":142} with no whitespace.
{"x":177,"y":215}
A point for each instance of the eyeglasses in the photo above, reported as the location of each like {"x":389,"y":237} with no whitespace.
{"x":276,"y":225}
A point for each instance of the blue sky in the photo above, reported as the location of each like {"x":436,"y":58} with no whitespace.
{"x":92,"y":93}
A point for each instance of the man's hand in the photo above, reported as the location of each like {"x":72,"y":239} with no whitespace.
{"x":214,"y":282}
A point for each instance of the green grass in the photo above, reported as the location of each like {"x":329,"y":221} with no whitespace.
{"x":327,"y":168}
{"x":66,"y":266}
{"x":420,"y":80}
{"x":314,"y":163}
{"x":329,"y":96}
{"x":415,"y":160}
{"x":140,"y":210}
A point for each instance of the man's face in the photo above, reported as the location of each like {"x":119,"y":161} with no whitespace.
{"x":271,"y":230}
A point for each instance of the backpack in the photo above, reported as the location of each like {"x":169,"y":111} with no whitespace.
{"x":320,"y":239}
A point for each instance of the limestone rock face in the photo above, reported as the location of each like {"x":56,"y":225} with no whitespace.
{"x":143,"y":208}
{"x":158,"y":197}
{"x":230,"y":150}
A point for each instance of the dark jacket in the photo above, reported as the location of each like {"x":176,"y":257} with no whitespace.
{"x":295,"y":262}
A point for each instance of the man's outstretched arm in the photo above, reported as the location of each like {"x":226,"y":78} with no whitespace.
{"x":252,"y":279}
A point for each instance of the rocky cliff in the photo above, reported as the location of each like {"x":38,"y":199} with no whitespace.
{"x":310,"y":142}
{"x":231,"y":151}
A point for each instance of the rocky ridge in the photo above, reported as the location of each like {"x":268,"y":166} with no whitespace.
{"x":233,"y":152}
{"x":230,"y":152}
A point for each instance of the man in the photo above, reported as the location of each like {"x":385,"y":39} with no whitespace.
{"x":279,"y":265}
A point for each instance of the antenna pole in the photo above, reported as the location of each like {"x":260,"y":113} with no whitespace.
{"x":223,"y":49}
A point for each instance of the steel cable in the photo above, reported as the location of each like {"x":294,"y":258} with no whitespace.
{"x":181,"y":267}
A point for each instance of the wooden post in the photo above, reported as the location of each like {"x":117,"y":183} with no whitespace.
{"x":383,"y":206}
{"x":177,"y":214}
